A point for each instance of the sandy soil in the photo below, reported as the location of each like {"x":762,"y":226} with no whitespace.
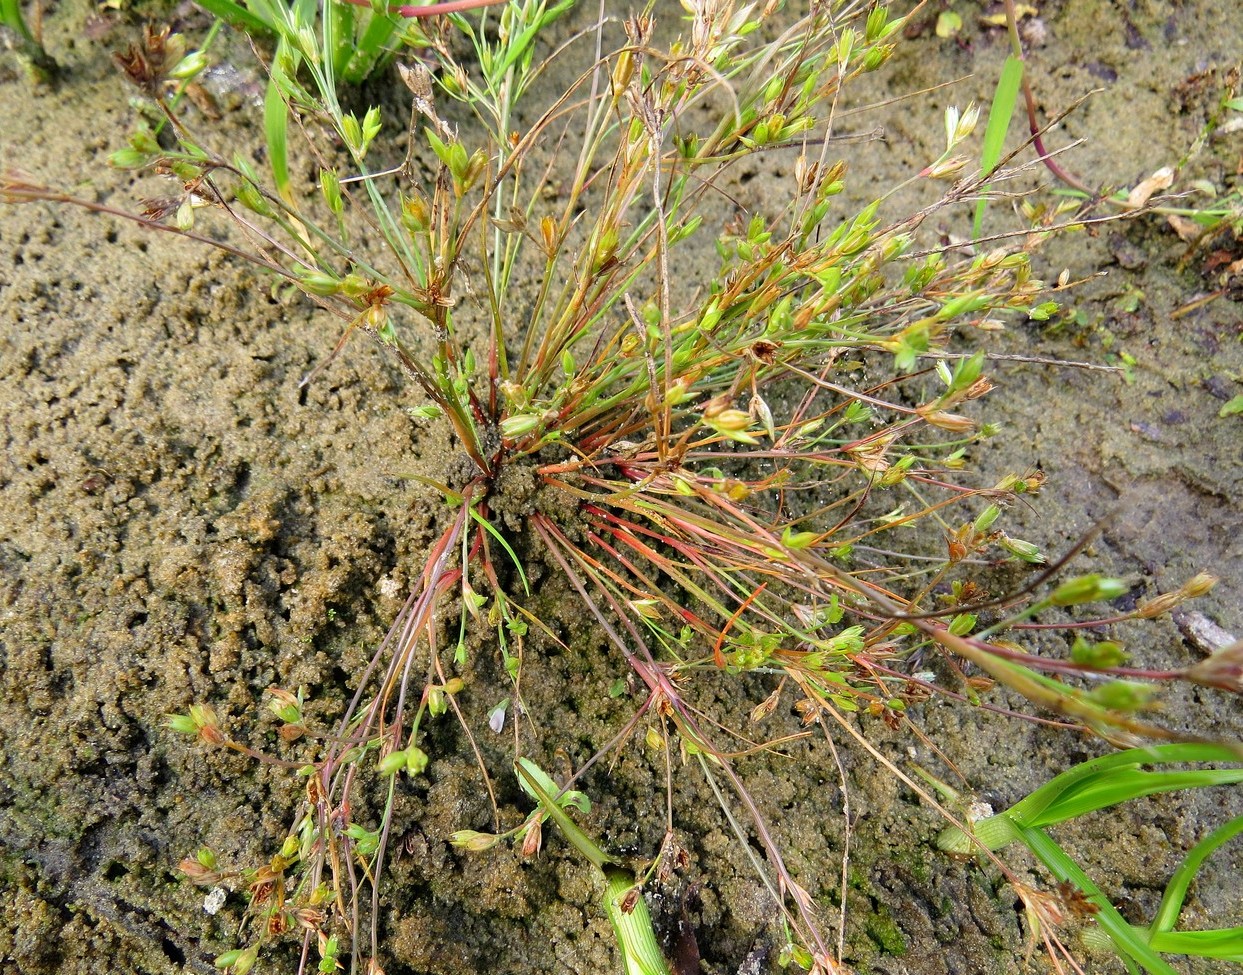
{"x":180,"y":523}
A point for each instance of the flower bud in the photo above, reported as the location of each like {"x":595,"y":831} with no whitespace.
{"x":318,"y":283}
{"x":416,"y":760}
{"x":1198,"y":585}
{"x":1021,"y":549}
{"x":330,"y":186}
{"x":392,"y":763}
{"x":473,"y":841}
{"x":962,"y":624}
{"x":730,"y":419}
{"x":189,"y":66}
{"x":127,"y":159}
{"x":878,"y":17}
{"x":623,"y":71}
{"x":416,"y":212}
{"x":285,"y":705}
{"x":519,"y":425}
{"x":1089,"y":588}
{"x":966,"y":124}
{"x":877,"y":56}
{"x":984,"y":521}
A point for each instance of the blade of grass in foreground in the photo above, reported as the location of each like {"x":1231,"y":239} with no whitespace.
{"x":1097,"y":784}
{"x":632,"y":922}
{"x":1126,"y":939}
{"x":999,"y":115}
{"x":1223,"y":943}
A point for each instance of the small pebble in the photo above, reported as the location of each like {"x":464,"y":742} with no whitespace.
{"x":214,"y":900}
{"x":1201,"y":632}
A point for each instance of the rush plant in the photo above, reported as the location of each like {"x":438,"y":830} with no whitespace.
{"x":726,"y":467}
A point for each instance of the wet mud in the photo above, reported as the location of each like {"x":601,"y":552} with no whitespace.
{"x":181,"y":522}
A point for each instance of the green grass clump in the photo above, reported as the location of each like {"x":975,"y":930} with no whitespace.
{"x":28,"y":41}
{"x":1093,"y":786}
{"x":726,"y":466}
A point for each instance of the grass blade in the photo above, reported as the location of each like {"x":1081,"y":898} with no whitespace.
{"x":1176,"y":889}
{"x":1225,"y":943}
{"x":276,"y":125}
{"x":1125,"y":937}
{"x":11,"y":17}
{"x":1005,"y":97}
{"x":1097,"y":784}
{"x":29,"y":45}
{"x":500,"y":539}
{"x":1110,"y":788}
{"x":370,"y":48}
{"x":1031,"y":810}
{"x":237,"y":16}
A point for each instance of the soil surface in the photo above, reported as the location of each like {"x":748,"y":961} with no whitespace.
{"x":180,"y":522}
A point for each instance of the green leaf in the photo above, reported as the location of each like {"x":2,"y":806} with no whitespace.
{"x":11,"y":17}
{"x":635,"y":936}
{"x":1005,"y":97}
{"x":1233,"y":408}
{"x":1127,"y":939}
{"x":1176,"y":889}
{"x":237,"y":16}
{"x":500,"y":539}
{"x":518,"y":46}
{"x":1117,"y":778}
{"x":1225,"y":943}
{"x":276,"y":123}
{"x":537,"y":784}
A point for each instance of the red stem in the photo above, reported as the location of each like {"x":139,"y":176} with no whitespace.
{"x":1069,"y":666}
{"x":1029,"y":102}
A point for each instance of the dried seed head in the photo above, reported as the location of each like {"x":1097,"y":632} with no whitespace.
{"x":534,"y":839}
{"x":981,"y":387}
{"x":473,"y":841}
{"x":1223,"y":669}
{"x":309,"y":918}
{"x":716,"y":406}
{"x":953,"y":422}
{"x":1198,"y":585}
{"x":629,"y":902}
{"x":1159,"y":605}
{"x":197,"y":873}
{"x":766,"y":706}
{"x":147,"y":65}
{"x":290,"y":732}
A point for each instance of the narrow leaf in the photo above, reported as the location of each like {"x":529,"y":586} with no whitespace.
{"x":1125,"y":938}
{"x":1005,"y":97}
{"x":535,"y":781}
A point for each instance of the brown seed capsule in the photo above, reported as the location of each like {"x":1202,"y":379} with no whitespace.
{"x":534,"y":839}
{"x":628,"y":902}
